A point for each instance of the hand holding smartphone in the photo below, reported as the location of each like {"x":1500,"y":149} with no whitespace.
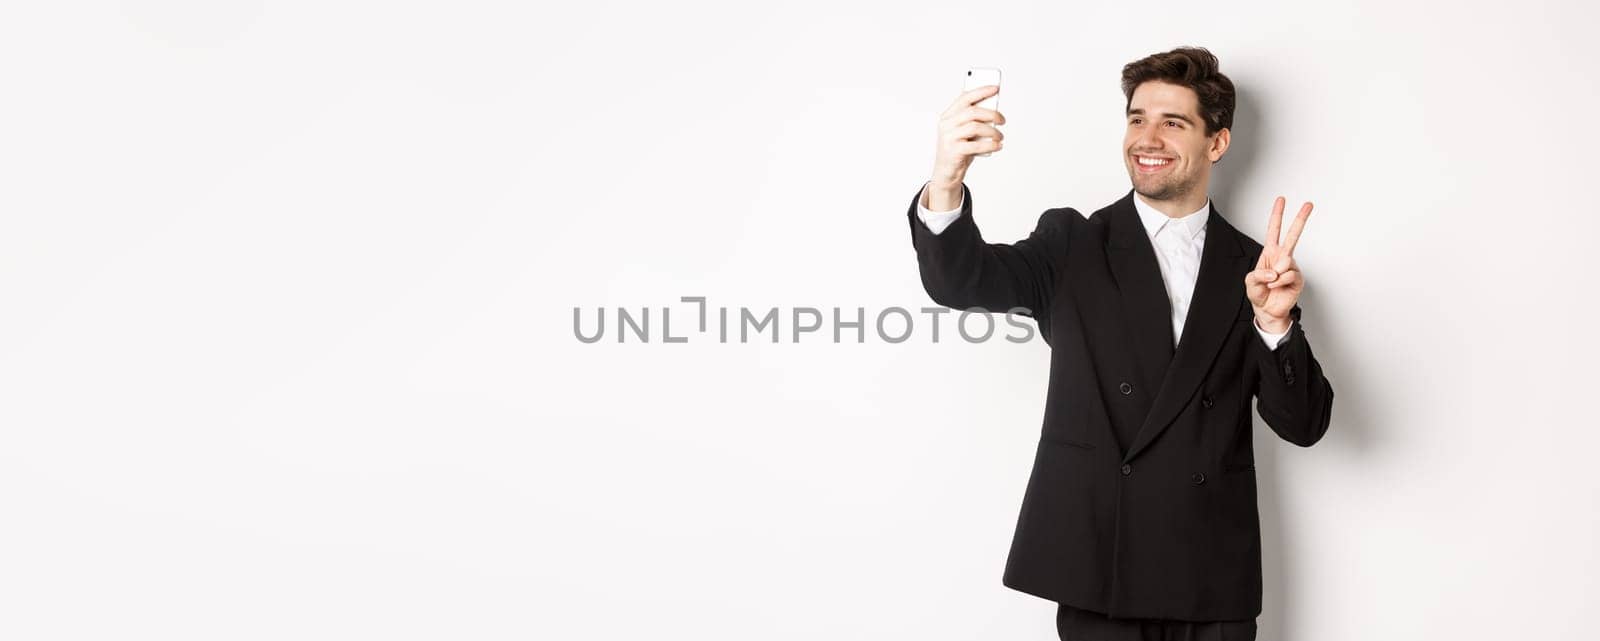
{"x":978,"y":77}
{"x":968,"y":128}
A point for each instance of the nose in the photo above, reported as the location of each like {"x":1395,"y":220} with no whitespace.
{"x":1148,"y":141}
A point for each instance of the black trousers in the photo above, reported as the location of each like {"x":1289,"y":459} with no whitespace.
{"x":1076,"y":624}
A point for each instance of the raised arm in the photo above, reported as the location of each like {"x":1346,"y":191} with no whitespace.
{"x":1293,"y":396}
{"x":958,"y":268}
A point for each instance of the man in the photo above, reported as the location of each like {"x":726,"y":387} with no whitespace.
{"x":1163,"y":321}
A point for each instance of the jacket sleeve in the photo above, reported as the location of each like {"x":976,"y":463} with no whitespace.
{"x":961,"y":271}
{"x":1292,"y":395}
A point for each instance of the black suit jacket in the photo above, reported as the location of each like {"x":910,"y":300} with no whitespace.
{"x":1142,"y":498}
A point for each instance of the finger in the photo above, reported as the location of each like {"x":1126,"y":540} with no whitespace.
{"x":1284,"y":262}
{"x":1261,"y":261}
{"x":971,"y":97}
{"x":973,"y":115}
{"x":1285,"y":279}
{"x":1275,"y":222}
{"x":981,"y":114}
{"x":975,"y":147}
{"x":976,"y":130}
{"x":1295,"y":226}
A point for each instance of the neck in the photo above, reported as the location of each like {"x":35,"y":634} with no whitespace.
{"x":1176,"y":207}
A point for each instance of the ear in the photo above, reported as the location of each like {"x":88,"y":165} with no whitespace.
{"x":1219,"y":144}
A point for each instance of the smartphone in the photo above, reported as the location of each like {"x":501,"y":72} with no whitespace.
{"x":978,"y":77}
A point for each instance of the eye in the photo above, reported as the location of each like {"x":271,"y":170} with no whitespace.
{"x":1172,"y":122}
{"x":1134,"y":121}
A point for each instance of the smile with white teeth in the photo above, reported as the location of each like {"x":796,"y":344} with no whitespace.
{"x":1152,"y":162}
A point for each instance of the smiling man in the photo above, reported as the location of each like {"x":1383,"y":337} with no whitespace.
{"x":1164,"y":322}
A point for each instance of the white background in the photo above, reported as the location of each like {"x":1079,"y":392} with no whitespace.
{"x":287,"y":347}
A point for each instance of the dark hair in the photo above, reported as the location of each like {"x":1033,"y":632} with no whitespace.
{"x":1191,"y":67}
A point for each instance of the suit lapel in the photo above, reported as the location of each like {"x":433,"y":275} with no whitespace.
{"x":1218,"y":290}
{"x":1141,"y":294}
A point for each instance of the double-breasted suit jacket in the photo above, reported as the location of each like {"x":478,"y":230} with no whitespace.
{"x":1142,"y":498}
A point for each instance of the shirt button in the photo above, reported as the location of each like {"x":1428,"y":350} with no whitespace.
{"x":1126,"y":388}
{"x":1205,"y":401}
{"x":1126,"y":469}
{"x":1198,"y":478}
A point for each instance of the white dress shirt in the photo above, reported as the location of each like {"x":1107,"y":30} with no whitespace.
{"x":1177,"y":242}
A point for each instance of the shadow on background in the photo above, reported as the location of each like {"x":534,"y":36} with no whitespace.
{"x":1250,"y":134}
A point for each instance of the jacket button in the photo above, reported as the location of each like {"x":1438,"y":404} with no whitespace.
{"x":1198,"y":478}
{"x":1205,"y":401}
{"x":1126,"y":388}
{"x":1126,"y":469}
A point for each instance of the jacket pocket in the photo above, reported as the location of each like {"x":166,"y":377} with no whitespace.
{"x":1067,"y":442}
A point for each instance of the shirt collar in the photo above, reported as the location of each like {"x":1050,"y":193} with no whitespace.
{"x":1190,"y":224}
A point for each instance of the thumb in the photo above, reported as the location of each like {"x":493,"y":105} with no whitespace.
{"x":1260,"y":276}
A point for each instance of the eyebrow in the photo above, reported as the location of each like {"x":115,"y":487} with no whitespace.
{"x":1165,"y":115}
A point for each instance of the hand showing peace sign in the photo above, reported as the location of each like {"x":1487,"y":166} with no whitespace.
{"x":1275,"y":284}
